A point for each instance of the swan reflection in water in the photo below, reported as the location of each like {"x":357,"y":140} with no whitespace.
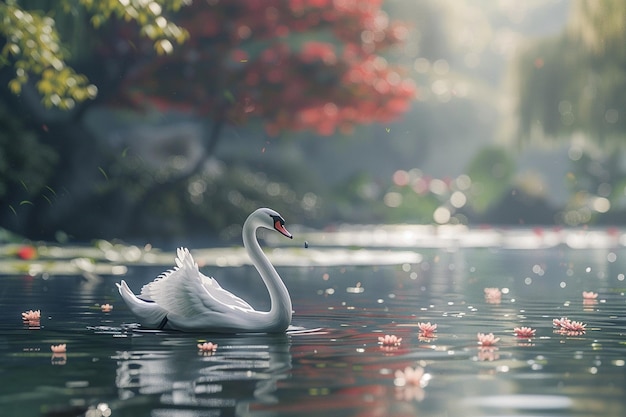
{"x":179,"y":377}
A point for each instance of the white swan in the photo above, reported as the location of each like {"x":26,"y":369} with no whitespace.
{"x":185,"y":299}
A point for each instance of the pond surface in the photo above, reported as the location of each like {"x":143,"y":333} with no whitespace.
{"x":335,"y":366}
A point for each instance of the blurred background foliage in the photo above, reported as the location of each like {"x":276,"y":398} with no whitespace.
{"x":172,"y":119}
{"x":575,"y":81}
{"x":25,"y":164}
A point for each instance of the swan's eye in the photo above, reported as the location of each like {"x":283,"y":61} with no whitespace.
{"x":279,"y":225}
{"x":278,"y":221}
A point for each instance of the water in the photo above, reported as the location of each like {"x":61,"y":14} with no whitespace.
{"x":335,"y":367}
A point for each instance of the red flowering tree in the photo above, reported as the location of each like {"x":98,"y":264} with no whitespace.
{"x":293,"y":64}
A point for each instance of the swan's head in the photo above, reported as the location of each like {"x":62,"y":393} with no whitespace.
{"x":270,"y":219}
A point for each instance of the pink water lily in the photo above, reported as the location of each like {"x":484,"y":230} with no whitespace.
{"x":427,"y":329}
{"x":559,"y":323}
{"x":493,"y":292}
{"x":569,"y":325}
{"x":411,"y":376}
{"x":62,"y":348}
{"x":487,"y":339}
{"x":410,"y":384}
{"x":524,"y":332}
{"x":207,"y":347}
{"x":31,"y":315}
{"x":575,"y":326}
{"x":389,"y":340}
{"x":32,"y":319}
{"x":493,"y":295}
{"x":106,"y":308}
{"x":590,"y":295}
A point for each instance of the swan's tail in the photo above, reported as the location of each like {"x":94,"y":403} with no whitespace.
{"x":149,"y":313}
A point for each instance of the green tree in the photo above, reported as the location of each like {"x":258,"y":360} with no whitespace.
{"x":33,"y":46}
{"x":491,"y":172}
{"x":574,"y":82}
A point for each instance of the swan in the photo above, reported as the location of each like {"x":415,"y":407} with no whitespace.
{"x":184,"y":299}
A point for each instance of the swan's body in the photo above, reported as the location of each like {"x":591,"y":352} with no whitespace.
{"x":185,"y":299}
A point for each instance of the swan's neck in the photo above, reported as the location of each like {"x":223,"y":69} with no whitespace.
{"x":280,"y":310}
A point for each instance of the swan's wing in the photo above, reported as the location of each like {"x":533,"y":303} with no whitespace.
{"x":221,"y":294}
{"x":184,"y":291}
{"x":147,"y":289}
{"x":150,"y":314}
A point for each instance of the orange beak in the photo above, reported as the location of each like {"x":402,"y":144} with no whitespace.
{"x":280,"y":228}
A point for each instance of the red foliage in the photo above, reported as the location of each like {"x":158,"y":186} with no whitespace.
{"x":242,"y":61}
